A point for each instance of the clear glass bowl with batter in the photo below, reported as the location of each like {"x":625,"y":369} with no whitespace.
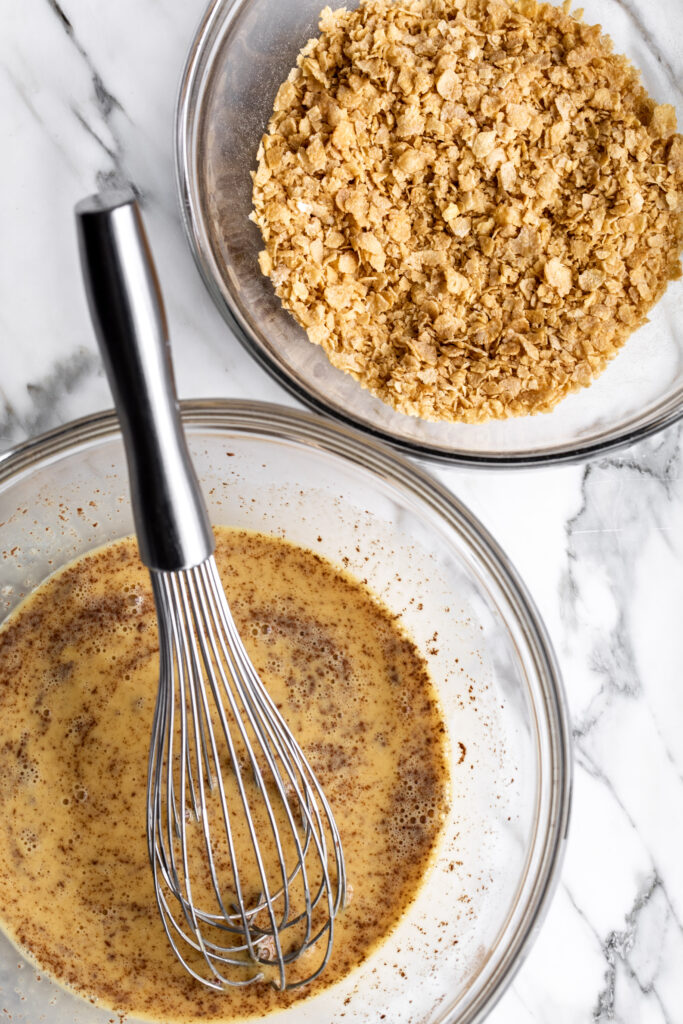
{"x":242,"y":52}
{"x":289,"y":474}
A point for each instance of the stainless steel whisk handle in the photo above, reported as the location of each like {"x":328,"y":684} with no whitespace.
{"x":127,"y":311}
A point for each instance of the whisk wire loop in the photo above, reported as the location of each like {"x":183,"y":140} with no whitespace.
{"x":188,"y":659}
{"x":274,"y":734}
{"x":243,"y":683}
{"x":214,"y":724}
{"x":204,"y":630}
{"x":173,"y":824}
{"x":178,"y":882}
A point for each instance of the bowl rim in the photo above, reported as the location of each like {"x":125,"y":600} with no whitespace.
{"x":186,"y":117}
{"x":304,"y":428}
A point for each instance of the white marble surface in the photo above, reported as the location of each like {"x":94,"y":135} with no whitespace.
{"x":86,"y":97}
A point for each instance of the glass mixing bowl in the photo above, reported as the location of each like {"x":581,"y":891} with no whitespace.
{"x":324,"y":487}
{"x":243,"y":50}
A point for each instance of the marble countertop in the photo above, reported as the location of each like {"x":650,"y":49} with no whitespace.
{"x":86,"y":99}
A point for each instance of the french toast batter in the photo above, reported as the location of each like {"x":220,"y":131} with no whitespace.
{"x":78,"y":681}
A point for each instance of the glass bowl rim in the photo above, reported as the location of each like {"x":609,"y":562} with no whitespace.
{"x":186,"y":116}
{"x":283,"y":423}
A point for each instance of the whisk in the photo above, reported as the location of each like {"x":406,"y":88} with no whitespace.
{"x":246,"y":858}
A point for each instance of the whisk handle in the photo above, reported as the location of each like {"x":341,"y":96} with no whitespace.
{"x":127,"y":310}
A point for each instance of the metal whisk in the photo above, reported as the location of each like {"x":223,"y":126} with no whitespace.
{"x":246,"y":857}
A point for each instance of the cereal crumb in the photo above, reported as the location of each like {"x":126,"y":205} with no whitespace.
{"x":469,"y":204}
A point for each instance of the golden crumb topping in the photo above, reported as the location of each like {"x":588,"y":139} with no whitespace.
{"x":469,"y":204}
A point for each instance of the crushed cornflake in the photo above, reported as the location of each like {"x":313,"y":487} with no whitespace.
{"x":469,"y":204}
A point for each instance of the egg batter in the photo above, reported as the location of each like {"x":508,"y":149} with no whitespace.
{"x":78,"y":681}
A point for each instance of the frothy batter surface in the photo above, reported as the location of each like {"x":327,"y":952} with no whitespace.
{"x":78,"y":680}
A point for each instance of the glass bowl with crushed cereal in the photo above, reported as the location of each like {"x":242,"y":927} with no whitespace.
{"x":76,"y":885}
{"x":452,"y":225}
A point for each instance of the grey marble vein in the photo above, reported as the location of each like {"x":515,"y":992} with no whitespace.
{"x":28,"y":104}
{"x":588,"y":764}
{"x":634,"y":11}
{"x":106,"y":105}
{"x":111,"y":153}
{"x":618,"y":949}
{"x":595,"y":538}
{"x":47,"y":395}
